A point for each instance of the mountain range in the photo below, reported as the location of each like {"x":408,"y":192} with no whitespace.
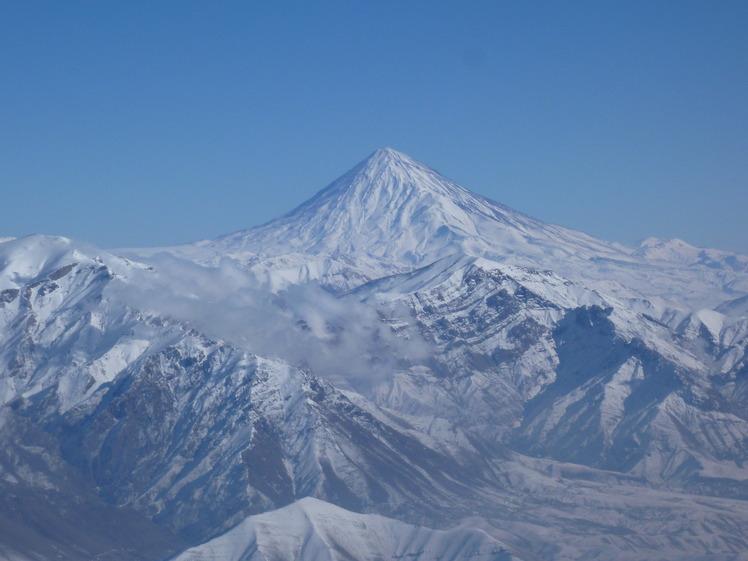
{"x":396,"y":369}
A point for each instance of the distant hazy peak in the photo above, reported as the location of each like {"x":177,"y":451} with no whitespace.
{"x":679,"y":252}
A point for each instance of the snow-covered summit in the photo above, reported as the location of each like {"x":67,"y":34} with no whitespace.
{"x":675,"y":251}
{"x":23,"y":259}
{"x":490,"y":366}
{"x":391,"y":214}
{"x":395,"y":210}
{"x":32,"y":257}
{"x":313,"y":529}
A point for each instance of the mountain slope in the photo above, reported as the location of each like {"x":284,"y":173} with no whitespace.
{"x":462,"y":366}
{"x":49,"y":511}
{"x":555,"y":369}
{"x":162,"y":419}
{"x":397,"y":210}
{"x":392,"y":214}
{"x":312,"y":529}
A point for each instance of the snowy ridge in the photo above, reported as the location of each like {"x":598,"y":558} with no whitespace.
{"x":55,"y":303}
{"x":391,"y":214}
{"x":313,"y":529}
{"x":23,"y":260}
{"x":395,"y":355}
{"x":74,"y":352}
{"x":677,"y":251}
{"x":584,"y":365}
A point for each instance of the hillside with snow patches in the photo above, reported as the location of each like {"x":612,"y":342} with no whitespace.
{"x":398,"y":368}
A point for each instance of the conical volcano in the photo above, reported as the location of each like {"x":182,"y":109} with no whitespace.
{"x":395,"y":210}
{"x":391,"y":214}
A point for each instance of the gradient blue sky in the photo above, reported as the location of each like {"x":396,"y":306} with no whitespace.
{"x":153,"y":123}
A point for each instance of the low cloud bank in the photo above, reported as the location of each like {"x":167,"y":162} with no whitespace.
{"x":341,"y":339}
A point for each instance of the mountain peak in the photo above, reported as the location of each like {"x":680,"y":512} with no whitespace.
{"x":395,"y":213}
{"x":389,"y":206}
{"x":389,"y":157}
{"x":388,"y":166}
{"x":386,"y":151}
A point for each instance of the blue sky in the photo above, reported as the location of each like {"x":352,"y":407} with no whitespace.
{"x":153,"y":123}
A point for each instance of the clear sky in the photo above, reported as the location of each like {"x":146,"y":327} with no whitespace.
{"x":154,"y":123}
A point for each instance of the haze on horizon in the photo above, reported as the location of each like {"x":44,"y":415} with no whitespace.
{"x":131,"y":125}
